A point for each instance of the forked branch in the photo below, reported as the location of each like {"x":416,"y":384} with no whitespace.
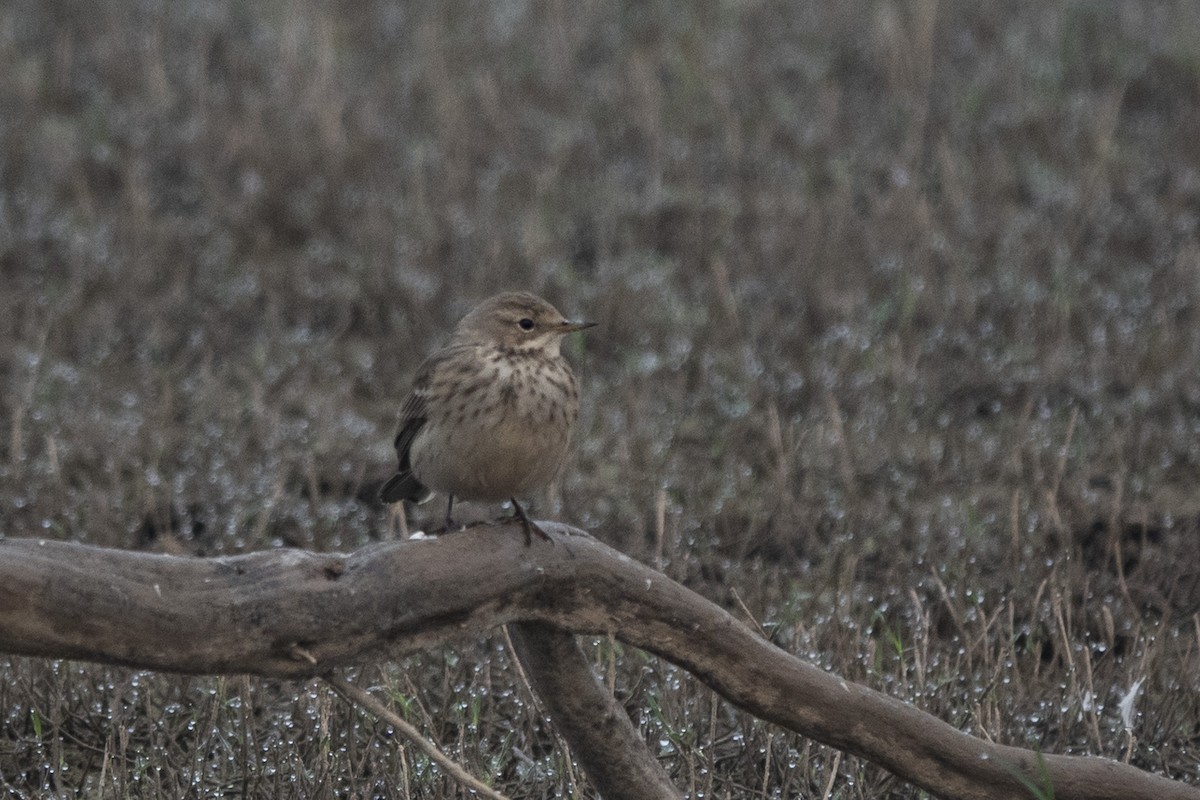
{"x":288,"y":613}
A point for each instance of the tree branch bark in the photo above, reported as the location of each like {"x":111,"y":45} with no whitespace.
{"x":591,"y":720}
{"x":288,"y":613}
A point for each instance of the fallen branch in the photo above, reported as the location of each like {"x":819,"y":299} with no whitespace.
{"x":289,"y":613}
{"x":591,"y":720}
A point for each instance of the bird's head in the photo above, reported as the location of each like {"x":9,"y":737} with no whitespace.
{"x":518,"y":321}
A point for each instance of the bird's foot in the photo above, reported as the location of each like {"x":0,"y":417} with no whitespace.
{"x":529,"y":525}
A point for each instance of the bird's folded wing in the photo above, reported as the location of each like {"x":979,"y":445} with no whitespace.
{"x":404,"y":485}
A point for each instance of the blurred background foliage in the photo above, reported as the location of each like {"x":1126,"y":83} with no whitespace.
{"x":899,"y":353}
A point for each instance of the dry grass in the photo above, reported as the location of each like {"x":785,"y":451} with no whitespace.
{"x":900,"y":354}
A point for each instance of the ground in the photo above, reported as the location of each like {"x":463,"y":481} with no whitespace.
{"x":898,"y":354}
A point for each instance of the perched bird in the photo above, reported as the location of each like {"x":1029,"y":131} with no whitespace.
{"x":490,"y":414}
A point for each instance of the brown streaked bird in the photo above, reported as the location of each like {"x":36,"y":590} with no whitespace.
{"x":490,"y":414}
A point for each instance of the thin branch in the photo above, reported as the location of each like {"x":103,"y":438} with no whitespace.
{"x":351,"y":693}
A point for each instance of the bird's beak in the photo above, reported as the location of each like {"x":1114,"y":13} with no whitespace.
{"x":567,"y":326}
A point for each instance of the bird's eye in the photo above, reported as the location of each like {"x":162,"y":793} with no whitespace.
{"x":526,"y":324}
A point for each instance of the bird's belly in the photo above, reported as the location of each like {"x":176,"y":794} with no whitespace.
{"x":488,"y":462}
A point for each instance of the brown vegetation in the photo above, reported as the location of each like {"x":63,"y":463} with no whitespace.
{"x":899,"y":356}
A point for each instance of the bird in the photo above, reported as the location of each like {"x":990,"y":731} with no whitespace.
{"x":490,"y":414}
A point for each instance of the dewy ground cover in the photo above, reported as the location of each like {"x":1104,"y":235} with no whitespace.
{"x":899,"y":353}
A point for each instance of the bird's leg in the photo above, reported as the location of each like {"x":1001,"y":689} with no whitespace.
{"x":449,"y":508}
{"x":530,"y":526}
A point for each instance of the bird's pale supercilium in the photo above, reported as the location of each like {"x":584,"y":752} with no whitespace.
{"x":490,"y":415}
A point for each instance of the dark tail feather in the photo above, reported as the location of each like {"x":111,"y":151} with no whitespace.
{"x":404,"y":486}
